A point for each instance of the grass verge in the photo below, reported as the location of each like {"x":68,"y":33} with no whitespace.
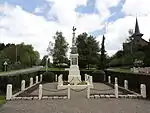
{"x":2,"y":100}
{"x":119,"y":70}
{"x":53,"y":69}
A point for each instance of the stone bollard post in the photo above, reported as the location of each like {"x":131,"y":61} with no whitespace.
{"x":56,"y":77}
{"x":41,"y":77}
{"x":40,"y":91}
{"x":125,"y":84}
{"x":143,"y":90}
{"x":104,"y":78}
{"x":68,"y":91}
{"x":91,"y":80}
{"x":59,"y":80}
{"x":37,"y":79}
{"x":9,"y":92}
{"x":31,"y":82}
{"x":88,"y":91}
{"x":85,"y":77}
{"x":116,"y":90}
{"x":23,"y":85}
{"x":109,"y":79}
{"x":116,"y":80}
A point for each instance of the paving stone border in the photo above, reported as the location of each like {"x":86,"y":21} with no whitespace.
{"x":36,"y":98}
{"x":26,"y":89}
{"x":128,"y":96}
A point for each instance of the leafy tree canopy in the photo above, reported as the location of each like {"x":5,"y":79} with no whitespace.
{"x":60,"y":49}
{"x":88,"y":50}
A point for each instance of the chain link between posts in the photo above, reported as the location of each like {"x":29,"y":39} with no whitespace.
{"x":53,"y":90}
{"x":78,"y":90}
{"x":102,"y":89}
{"x":79,"y":79}
{"x":71,"y":80}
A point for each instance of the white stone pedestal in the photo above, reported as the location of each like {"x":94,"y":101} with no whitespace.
{"x":74,"y":79}
{"x":74,"y":75}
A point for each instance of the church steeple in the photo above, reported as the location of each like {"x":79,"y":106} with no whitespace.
{"x":137,"y":30}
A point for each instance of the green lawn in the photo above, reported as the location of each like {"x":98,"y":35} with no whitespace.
{"x":2,"y":100}
{"x":62,"y":69}
{"x":120,"y":69}
{"x":53,"y":69}
{"x":10,"y":71}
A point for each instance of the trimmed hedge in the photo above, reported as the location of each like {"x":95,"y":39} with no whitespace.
{"x":15,"y":80}
{"x":48,"y":77}
{"x":134,"y":80}
{"x":65,"y":73}
{"x":97,"y":75}
{"x":83,"y":72}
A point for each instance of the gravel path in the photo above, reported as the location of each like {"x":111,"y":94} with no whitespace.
{"x":77,"y":104}
{"x":53,"y":86}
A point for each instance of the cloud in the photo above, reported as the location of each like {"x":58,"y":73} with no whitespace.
{"x":64,"y":11}
{"x":20,"y":26}
{"x":38,"y":10}
{"x":104,"y":5}
{"x":5,"y":7}
{"x":136,"y":7}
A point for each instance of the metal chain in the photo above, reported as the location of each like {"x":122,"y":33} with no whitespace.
{"x":102,"y":90}
{"x":54,"y":90}
{"x":71,"y":80}
{"x":78,"y":90}
{"x":79,"y":80}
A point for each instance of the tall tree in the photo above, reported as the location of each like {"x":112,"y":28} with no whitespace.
{"x":60,"y":49}
{"x":24,"y":54}
{"x":10,"y":52}
{"x":88,"y":49}
{"x":43,"y":61}
{"x":103,"y":55}
{"x":2,"y":46}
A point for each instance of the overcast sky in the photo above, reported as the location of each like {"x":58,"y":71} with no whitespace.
{"x":36,"y":21}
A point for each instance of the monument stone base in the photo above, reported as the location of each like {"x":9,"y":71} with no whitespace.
{"x":74,"y":76}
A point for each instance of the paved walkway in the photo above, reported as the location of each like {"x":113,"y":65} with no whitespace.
{"x":77,"y":104}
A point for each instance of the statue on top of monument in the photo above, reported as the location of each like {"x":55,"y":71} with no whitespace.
{"x":74,"y":38}
{"x":74,"y":48}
